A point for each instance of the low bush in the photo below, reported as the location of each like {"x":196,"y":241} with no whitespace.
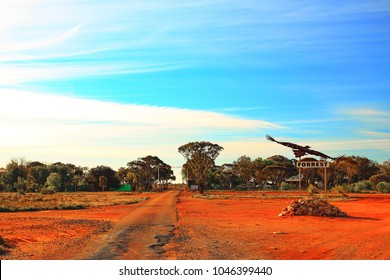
{"x":48,"y":191}
{"x":361,"y":186}
{"x":339,"y":189}
{"x":383,"y":187}
{"x":311,"y":189}
{"x":286,"y":186}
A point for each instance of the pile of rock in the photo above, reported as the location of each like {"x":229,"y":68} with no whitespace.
{"x":313,"y":207}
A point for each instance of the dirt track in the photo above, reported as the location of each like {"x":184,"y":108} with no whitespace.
{"x":141,"y":234}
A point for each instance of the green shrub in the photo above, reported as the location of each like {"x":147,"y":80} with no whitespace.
{"x":48,"y":190}
{"x":378,"y":178}
{"x":11,"y":189}
{"x":383,"y":187}
{"x":311,"y":189}
{"x":339,"y":189}
{"x":361,"y":186}
{"x":286,"y":186}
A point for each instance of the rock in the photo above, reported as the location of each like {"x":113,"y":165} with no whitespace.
{"x":314,"y":207}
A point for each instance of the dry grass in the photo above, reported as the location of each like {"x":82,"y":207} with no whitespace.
{"x":11,"y":202}
{"x":263,"y":195}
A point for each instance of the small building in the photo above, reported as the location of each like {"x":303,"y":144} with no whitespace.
{"x":294,"y":180}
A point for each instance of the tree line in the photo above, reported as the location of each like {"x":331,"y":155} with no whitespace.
{"x":151,"y":173}
{"x":351,"y":173}
{"x":144,"y":174}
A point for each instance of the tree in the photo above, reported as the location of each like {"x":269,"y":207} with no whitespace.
{"x":385,"y":168}
{"x":37,"y":175}
{"x":150,"y":173}
{"x":200,"y":160}
{"x":260,"y":174}
{"x":279,"y":169}
{"x":2,"y":172}
{"x":101,"y":170}
{"x":15,"y":174}
{"x":382,"y":176}
{"x":103,"y":182}
{"x":245,"y":169}
{"x":66,"y":172}
{"x":228,"y":175}
{"x":122,"y":175}
{"x":350,"y":167}
{"x":54,"y":181}
{"x":366,"y":168}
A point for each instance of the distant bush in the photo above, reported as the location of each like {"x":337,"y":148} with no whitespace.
{"x":378,"y":178}
{"x":48,"y":190}
{"x":383,"y":187}
{"x":361,"y":186}
{"x":311,"y":189}
{"x":11,"y":189}
{"x":339,"y":189}
{"x":286,"y":186}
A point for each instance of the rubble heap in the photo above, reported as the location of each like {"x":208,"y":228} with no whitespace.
{"x":313,"y":207}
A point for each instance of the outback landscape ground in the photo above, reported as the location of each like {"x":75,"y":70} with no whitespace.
{"x":218,"y":225}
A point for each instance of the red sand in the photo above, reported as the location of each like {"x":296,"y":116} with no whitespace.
{"x":233,"y":228}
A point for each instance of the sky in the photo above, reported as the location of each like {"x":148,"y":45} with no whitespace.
{"x":106,"y":82}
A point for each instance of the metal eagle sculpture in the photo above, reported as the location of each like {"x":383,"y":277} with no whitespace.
{"x":300,"y":151}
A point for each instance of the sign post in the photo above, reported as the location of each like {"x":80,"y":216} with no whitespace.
{"x":325,"y":183}
{"x":300,"y":180}
{"x":313,"y":164}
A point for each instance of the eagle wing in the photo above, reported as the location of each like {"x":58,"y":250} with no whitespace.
{"x":287,"y":144}
{"x":317,"y":153}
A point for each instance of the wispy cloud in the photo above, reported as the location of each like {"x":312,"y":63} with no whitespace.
{"x":40,"y":43}
{"x":167,"y":35}
{"x":370,"y":118}
{"x":33,"y":121}
{"x":42,"y":71}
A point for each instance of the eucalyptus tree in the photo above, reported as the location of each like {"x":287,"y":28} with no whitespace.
{"x":245,"y":169}
{"x":148,"y":173}
{"x":95,"y":173}
{"x":200,"y":161}
{"x":279,"y":169}
{"x":349,"y":166}
{"x":15,"y":174}
{"x":228,"y":175}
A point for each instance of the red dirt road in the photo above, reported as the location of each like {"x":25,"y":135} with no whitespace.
{"x":242,"y":225}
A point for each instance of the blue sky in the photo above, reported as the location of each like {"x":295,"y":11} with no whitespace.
{"x":106,"y":82}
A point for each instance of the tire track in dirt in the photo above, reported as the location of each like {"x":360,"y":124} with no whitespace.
{"x":140,"y":235}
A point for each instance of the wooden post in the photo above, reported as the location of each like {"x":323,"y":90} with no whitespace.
{"x":300,"y":181}
{"x":325,"y":183}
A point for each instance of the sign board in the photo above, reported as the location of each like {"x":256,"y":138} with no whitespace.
{"x":194,"y":187}
{"x":313,"y":164}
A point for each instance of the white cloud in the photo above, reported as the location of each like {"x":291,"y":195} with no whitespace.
{"x":43,"y":124}
{"x":369,"y":118}
{"x":40,"y":43}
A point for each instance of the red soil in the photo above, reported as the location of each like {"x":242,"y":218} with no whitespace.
{"x":232,"y":228}
{"x":252,"y":229}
